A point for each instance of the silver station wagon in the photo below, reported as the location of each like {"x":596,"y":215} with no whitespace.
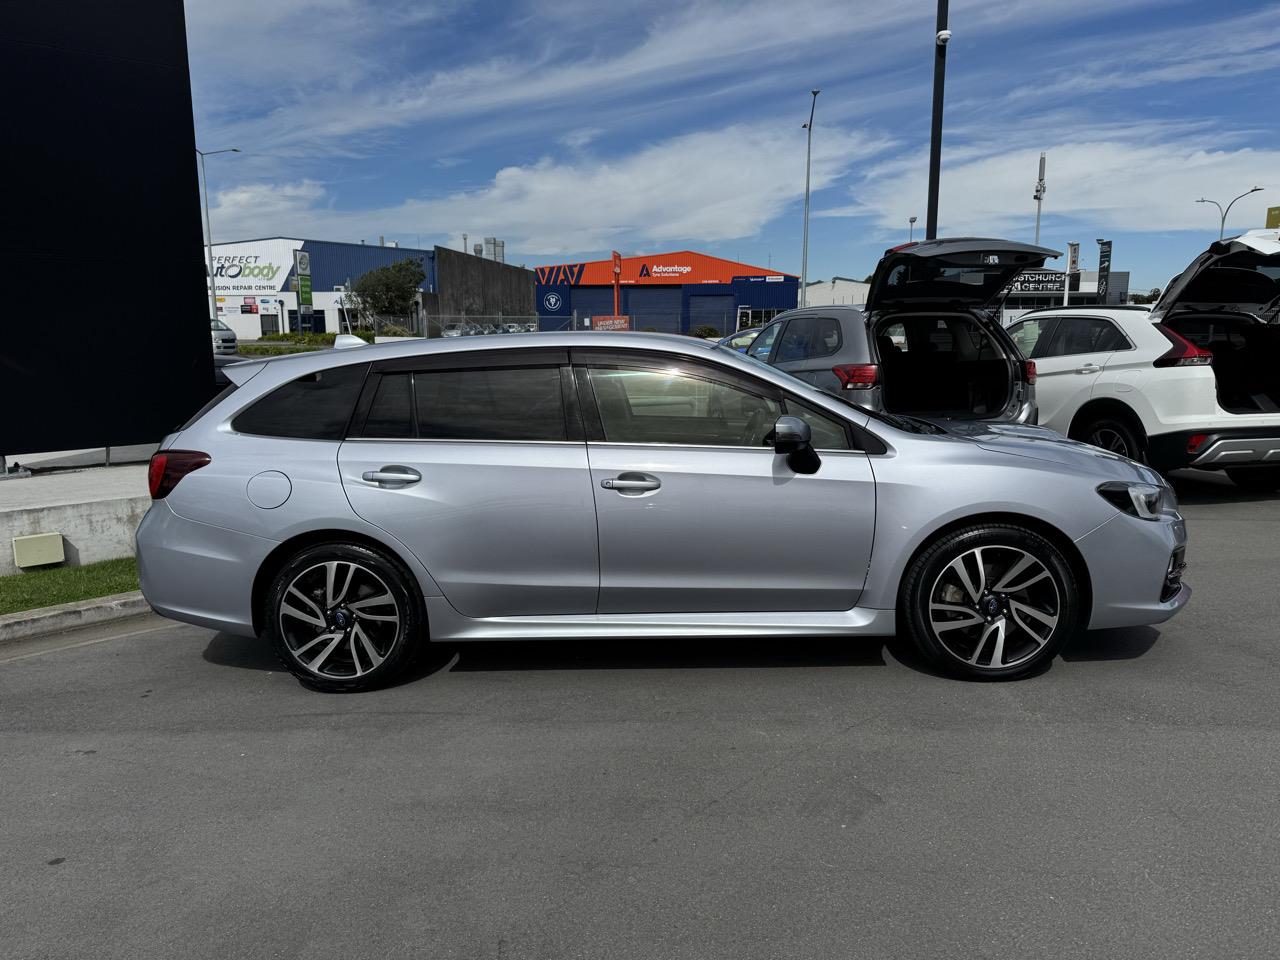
{"x":350,"y":506}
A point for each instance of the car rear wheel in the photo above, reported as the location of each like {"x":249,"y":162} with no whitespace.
{"x":991,"y":601}
{"x":1256,"y":479}
{"x":1113,"y":435}
{"x":343,"y":617}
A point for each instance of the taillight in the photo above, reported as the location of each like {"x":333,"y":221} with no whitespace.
{"x":1182,"y":352}
{"x":857,"y":376}
{"x":1029,"y":371}
{"x":1196,"y":441}
{"x":169,"y":466}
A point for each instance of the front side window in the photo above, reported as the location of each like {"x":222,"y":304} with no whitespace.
{"x":675,"y":407}
{"x":828,"y":432}
{"x":510,"y":403}
{"x":764,"y":343}
{"x":315,"y":406}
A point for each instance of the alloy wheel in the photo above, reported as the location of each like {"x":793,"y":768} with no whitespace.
{"x":339,"y":620}
{"x":1111,"y":440}
{"x":994,"y":607}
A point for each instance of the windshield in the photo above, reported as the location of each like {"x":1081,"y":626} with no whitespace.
{"x":218,"y":325}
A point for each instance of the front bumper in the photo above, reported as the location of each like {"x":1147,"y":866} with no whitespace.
{"x":1129,"y":565}
{"x":1230,"y":447}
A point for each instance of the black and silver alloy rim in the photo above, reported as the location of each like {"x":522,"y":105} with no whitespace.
{"x":1111,"y":440}
{"x":339,"y":620}
{"x":994,"y":607}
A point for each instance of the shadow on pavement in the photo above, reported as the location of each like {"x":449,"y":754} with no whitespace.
{"x":1124,"y":643}
{"x":248,"y":653}
{"x":1195,"y":487}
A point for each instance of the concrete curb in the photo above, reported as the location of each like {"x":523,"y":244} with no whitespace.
{"x":26,"y":624}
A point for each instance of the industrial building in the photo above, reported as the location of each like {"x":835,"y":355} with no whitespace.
{"x":838,"y":291}
{"x":664,"y":292}
{"x":1043,"y":288}
{"x":257,"y":291}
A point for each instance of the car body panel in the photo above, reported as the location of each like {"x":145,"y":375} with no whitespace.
{"x":202,"y":549}
{"x":944,"y":274}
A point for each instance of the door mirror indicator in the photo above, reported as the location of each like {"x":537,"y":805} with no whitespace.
{"x":793,"y":437}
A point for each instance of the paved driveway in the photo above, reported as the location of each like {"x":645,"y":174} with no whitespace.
{"x":171,"y":793}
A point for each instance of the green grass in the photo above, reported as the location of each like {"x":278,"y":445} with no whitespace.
{"x":44,"y":588}
{"x":273,"y":349}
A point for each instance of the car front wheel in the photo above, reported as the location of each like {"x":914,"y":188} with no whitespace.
{"x":991,"y":601}
{"x":343,"y":617}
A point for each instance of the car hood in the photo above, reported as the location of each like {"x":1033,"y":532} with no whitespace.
{"x":1041,"y":443}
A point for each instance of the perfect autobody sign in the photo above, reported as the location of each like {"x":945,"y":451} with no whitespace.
{"x":253,"y":267}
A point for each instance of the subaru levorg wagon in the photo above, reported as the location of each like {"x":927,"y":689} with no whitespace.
{"x":348,"y":506}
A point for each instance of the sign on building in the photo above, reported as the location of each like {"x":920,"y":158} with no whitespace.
{"x":611,"y":323}
{"x":1273,"y":217}
{"x":1038,"y":281}
{"x":302,"y":271}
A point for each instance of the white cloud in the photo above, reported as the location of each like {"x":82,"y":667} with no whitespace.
{"x":707,"y":186}
{"x":1117,"y":184}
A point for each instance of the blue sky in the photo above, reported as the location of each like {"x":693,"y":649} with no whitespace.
{"x":571,"y":128}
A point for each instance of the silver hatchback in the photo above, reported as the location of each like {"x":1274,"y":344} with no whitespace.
{"x":349,"y":506}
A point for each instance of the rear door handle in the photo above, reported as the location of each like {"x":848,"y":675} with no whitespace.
{"x":629,"y":483}
{"x":391,"y":475}
{"x":1088,"y":368}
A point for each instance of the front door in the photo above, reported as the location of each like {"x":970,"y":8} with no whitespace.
{"x":696,"y":512}
{"x":480,"y":470}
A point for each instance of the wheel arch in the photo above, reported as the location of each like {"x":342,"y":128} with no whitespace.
{"x":1107,"y":406}
{"x":280,"y":555}
{"x":1074,"y":558}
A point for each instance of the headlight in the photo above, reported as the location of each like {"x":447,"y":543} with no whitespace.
{"x":1145,"y":500}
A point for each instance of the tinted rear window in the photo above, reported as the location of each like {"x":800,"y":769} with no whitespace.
{"x":513,"y":403}
{"x":316,"y":406}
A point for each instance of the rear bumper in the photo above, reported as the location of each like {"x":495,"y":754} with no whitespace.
{"x":197,"y":572}
{"x":1129,"y":562}
{"x":1231,"y":447}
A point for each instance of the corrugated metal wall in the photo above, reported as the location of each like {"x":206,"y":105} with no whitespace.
{"x":335,"y":263}
{"x":719,"y":311}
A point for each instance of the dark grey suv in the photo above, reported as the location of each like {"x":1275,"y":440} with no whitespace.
{"x":928,"y":341}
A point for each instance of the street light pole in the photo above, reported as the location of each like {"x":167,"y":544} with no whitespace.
{"x":1222,"y":221}
{"x":808,"y":158}
{"x":208,"y":227}
{"x":941,"y":38}
{"x":911,"y":229}
{"x":1039,"y":197}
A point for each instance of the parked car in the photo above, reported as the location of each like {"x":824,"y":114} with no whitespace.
{"x":224,"y":338}
{"x":347,"y":505}
{"x":452,"y":330}
{"x":741,"y":340}
{"x":927,"y":342}
{"x":1193,"y":381}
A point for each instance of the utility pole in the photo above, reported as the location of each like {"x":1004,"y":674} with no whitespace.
{"x":1222,"y":220}
{"x":941,"y":38}
{"x":1039,"y":197}
{"x":808,"y":157}
{"x":208,"y":227}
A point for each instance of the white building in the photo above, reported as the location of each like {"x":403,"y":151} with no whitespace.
{"x":838,"y":291}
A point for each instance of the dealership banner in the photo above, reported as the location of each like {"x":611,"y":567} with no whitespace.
{"x":1104,"y":270}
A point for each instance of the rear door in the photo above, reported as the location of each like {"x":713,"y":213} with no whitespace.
{"x":476,"y":462}
{"x":1069,"y":361}
{"x":696,"y":513}
{"x":807,"y":348}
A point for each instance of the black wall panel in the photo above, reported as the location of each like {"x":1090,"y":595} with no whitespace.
{"x":103,"y":311}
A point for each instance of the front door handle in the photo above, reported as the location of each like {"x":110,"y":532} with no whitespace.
{"x":391,"y":475}
{"x":629,"y":484}
{"x":1088,"y":368}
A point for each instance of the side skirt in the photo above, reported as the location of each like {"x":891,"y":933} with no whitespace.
{"x":447,"y":624}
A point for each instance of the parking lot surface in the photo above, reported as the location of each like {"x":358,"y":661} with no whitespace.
{"x":173,"y":793}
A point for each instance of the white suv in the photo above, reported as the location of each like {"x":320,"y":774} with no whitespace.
{"x":1194,"y":381}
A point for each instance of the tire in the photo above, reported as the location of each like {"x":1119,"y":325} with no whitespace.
{"x":960,"y":622}
{"x":1115,"y":435}
{"x":1255,"y":479}
{"x":330,"y":626}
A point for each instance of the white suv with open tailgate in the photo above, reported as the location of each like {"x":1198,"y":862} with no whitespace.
{"x":1192,"y":382}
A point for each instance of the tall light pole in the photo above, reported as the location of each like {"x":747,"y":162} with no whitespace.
{"x":208,"y":227}
{"x":1038,"y":197}
{"x":941,"y":37}
{"x":808,"y":158}
{"x":1222,"y":223}
{"x":911,"y":229}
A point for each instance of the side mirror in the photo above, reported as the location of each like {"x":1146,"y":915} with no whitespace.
{"x":793,"y":437}
{"x":791,"y":434}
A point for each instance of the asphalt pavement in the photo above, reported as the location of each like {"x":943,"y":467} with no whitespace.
{"x":169,"y":792}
